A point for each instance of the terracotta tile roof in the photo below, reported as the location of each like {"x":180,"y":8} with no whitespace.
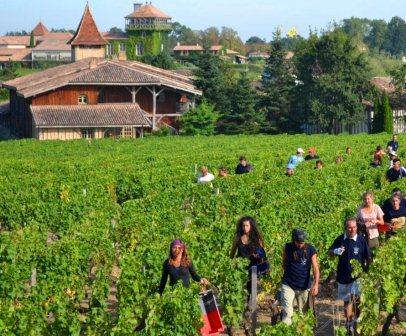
{"x":188,"y":48}
{"x":105,"y":115}
{"x":148,"y":11}
{"x":102,"y":72}
{"x":53,"y":45}
{"x":383,"y":84}
{"x":56,"y":36}
{"x":87,"y":32}
{"x":113,"y":73}
{"x":231,"y":52}
{"x":216,"y":48}
{"x":40,"y":30}
{"x":15,"y":40}
{"x":17,"y":55}
{"x":115,"y":36}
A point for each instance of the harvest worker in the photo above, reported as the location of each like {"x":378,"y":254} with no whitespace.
{"x":223,"y":172}
{"x":397,"y":172}
{"x":392,"y":156}
{"x":248,"y":243}
{"x":379,"y":154}
{"x":370,"y":215}
{"x":348,"y":150}
{"x":319,"y":165}
{"x":393,"y":145}
{"x":347,"y":247}
{"x":312,"y":154}
{"x":395,"y":215}
{"x":243,"y":167}
{"x":298,"y":258}
{"x":294,"y":160}
{"x":205,"y":176}
{"x":387,"y":204}
{"x":179,"y":266}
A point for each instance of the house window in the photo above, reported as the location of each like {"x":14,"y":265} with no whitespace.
{"x":122,"y":47}
{"x":101,"y":97}
{"x":87,"y":133}
{"x":144,"y":34}
{"x":83,"y":99}
{"x":139,"y":49}
{"x":109,"y":49}
{"x":127,"y":132}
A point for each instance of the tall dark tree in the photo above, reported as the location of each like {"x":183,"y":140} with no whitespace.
{"x":243,"y":117}
{"x":395,"y":42}
{"x":377,"y":122}
{"x":32,"y":40}
{"x":278,"y":83}
{"x":334,"y":78}
{"x":376,"y":35}
{"x":387,"y":114}
{"x":214,"y":79}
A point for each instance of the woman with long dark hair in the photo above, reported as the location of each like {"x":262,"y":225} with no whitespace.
{"x":248,"y":243}
{"x":179,"y":266}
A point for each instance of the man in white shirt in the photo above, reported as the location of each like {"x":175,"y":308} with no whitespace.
{"x":205,"y":176}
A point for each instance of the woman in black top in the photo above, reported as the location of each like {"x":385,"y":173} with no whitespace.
{"x":248,"y":243}
{"x":179,"y":267}
{"x":395,"y":215}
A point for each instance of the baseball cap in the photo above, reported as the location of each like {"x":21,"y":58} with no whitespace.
{"x":299,"y":235}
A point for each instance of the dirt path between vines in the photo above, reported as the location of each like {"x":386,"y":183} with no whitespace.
{"x":329,"y":313}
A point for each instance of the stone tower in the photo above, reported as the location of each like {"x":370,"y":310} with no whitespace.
{"x":87,"y":41}
{"x":148,"y":29}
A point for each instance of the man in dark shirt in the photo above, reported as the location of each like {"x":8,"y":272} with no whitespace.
{"x":243,"y":167}
{"x":394,"y":144}
{"x":387,"y":204}
{"x":298,"y":258}
{"x":397,"y":172}
{"x":347,"y":247}
{"x":312,"y":154}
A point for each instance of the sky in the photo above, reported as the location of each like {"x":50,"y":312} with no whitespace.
{"x":248,"y":18}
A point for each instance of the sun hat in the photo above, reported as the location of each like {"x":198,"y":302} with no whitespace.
{"x":300,"y":150}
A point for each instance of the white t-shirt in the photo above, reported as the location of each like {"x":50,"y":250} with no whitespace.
{"x":205,"y":179}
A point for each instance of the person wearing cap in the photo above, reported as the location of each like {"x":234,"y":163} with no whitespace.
{"x":397,"y":172}
{"x":298,"y":258}
{"x":350,"y":246}
{"x":393,"y":144}
{"x":312,"y":154}
{"x":179,"y":266}
{"x":392,"y":156}
{"x":243,"y":167}
{"x":294,"y":160}
{"x":205,"y":176}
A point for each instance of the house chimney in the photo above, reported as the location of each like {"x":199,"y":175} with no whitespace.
{"x":178,"y":44}
{"x":137,"y":6}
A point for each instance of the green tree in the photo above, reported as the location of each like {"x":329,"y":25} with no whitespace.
{"x":214,"y":78}
{"x":395,"y":42}
{"x":377,"y":122}
{"x":115,"y":30}
{"x":334,"y":78}
{"x":229,"y":39}
{"x":278,"y":83}
{"x":387,"y":114}
{"x":399,"y":80}
{"x":377,"y":33}
{"x":32,"y":40}
{"x":243,"y":117}
{"x":200,"y":120}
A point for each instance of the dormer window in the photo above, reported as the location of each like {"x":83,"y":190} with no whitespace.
{"x":83,"y":99}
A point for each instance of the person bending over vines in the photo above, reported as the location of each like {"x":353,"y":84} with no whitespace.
{"x":179,"y":266}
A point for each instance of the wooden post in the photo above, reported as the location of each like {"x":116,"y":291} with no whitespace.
{"x":253,"y":303}
{"x":153,"y":108}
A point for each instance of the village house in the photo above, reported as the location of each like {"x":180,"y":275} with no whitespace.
{"x":95,"y":97}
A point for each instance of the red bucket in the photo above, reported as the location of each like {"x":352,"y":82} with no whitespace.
{"x":213,"y":324}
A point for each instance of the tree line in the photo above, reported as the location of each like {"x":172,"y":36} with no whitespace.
{"x":325,"y":84}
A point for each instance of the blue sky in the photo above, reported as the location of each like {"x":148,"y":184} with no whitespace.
{"x":248,"y":17}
